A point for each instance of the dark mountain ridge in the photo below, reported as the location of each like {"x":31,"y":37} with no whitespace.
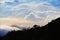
{"x":51,"y":31}
{"x":53,"y":26}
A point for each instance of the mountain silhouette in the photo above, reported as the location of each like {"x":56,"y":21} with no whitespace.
{"x":53,"y":26}
{"x":51,"y":31}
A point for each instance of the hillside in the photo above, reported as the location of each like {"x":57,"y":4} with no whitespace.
{"x":47,"y":32}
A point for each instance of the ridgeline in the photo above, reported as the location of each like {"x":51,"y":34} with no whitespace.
{"x":51,"y":31}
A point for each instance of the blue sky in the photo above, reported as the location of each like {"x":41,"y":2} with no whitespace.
{"x":16,"y":2}
{"x":30,"y":11}
{"x":53,"y":2}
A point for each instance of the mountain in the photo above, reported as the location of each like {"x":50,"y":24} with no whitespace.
{"x":53,"y":26}
{"x":51,"y":31}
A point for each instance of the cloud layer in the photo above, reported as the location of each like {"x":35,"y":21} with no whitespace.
{"x":27,"y":12}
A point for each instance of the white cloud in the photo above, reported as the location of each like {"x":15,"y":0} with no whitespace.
{"x":25,"y":10}
{"x":5,"y":23}
{"x":21,"y":1}
{"x":3,"y":1}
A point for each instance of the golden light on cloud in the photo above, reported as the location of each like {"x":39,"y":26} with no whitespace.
{"x":7,"y":22}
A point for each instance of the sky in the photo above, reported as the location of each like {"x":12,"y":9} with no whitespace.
{"x":27,"y":12}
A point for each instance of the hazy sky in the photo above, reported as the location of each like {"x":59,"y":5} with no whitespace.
{"x":28,"y":12}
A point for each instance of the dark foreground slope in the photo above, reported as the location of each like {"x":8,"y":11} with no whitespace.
{"x":51,"y":31}
{"x":53,"y":26}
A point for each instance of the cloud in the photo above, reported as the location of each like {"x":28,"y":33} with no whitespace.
{"x":43,"y":9}
{"x":6,"y":23}
{"x":13,"y":21}
{"x":28,"y":13}
{"x":22,"y":1}
{"x":4,"y":1}
{"x":48,"y":19}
